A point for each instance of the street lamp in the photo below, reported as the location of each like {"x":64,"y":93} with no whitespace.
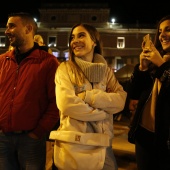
{"x":113,"y":20}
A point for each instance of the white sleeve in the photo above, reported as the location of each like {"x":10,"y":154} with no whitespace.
{"x":71,"y":105}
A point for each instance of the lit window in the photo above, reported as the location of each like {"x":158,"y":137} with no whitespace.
{"x":52,"y":41}
{"x":66,"y":55}
{"x":56,"y":53}
{"x":120,"y":42}
{"x":2,"y":41}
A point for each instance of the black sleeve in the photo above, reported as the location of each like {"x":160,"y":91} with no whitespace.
{"x":139,"y":81}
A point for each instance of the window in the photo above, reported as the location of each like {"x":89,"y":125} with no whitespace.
{"x":94,"y":18}
{"x":119,"y":62}
{"x":53,"y":18}
{"x":56,"y":53}
{"x":66,"y":55}
{"x":120,"y":42}
{"x":52,"y":41}
{"x":2,"y":41}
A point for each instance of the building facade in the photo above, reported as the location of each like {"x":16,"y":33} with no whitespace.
{"x":121,"y":43}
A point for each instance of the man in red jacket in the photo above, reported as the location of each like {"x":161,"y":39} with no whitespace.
{"x":28,"y":110}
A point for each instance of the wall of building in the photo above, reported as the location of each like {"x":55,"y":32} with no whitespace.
{"x":58,"y":22}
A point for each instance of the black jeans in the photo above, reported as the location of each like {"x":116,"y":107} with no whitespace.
{"x":148,"y":155}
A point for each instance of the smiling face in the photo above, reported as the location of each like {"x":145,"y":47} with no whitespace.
{"x":81,"y":43}
{"x":15,"y":31}
{"x":164,"y":35}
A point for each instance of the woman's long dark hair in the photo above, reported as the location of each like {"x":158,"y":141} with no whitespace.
{"x":157,"y":43}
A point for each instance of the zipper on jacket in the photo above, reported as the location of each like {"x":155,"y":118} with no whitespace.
{"x":17,"y":69}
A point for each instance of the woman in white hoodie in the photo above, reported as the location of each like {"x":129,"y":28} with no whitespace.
{"x":88,"y":94}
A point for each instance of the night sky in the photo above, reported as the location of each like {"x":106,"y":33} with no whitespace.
{"x":126,"y":12}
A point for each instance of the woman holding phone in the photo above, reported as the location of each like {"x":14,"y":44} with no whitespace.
{"x":150,"y":102}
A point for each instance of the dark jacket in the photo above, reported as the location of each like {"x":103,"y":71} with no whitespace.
{"x":140,"y":88}
{"x":27,"y":92}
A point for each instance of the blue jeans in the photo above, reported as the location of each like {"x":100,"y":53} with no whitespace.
{"x":20,"y":152}
{"x":110,"y":161}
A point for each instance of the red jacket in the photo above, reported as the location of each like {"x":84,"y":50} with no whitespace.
{"x":27,"y":93}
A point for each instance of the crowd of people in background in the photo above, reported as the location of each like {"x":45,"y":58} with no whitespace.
{"x":59,"y":116}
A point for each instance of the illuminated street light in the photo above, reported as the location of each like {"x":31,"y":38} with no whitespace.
{"x":113,"y":20}
{"x":35,"y":19}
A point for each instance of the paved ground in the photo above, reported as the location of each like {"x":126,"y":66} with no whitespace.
{"x":123,"y":150}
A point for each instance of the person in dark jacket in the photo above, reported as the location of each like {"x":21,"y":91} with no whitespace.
{"x":39,"y":39}
{"x":28,"y":110}
{"x":150,"y":101}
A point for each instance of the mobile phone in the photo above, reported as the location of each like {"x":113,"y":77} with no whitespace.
{"x":146,"y":41}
